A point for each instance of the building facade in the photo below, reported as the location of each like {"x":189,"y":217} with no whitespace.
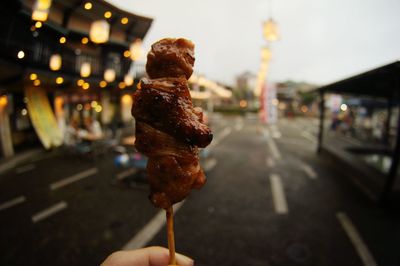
{"x":61,"y":60}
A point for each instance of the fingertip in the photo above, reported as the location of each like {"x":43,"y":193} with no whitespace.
{"x":184,"y":260}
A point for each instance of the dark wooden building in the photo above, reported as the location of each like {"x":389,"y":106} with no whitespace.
{"x":64,"y":57}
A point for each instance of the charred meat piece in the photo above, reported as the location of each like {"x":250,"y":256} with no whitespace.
{"x":169,"y":129}
{"x":171,"y":111}
{"x":171,"y":58}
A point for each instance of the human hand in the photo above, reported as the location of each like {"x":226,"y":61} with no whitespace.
{"x":151,"y":256}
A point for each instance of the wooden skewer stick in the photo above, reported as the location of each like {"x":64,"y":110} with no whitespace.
{"x":171,"y":238}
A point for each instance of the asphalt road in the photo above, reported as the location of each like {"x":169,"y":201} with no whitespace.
{"x":269,"y":200}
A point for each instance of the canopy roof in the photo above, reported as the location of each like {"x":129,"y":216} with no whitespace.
{"x":72,"y":16}
{"x":383,"y":81}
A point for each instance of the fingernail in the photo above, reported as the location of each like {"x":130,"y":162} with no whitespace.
{"x":184,"y":261}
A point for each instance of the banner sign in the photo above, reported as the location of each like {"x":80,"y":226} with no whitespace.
{"x":268,"y":104}
{"x":42,"y":117}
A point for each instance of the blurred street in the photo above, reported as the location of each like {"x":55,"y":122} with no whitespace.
{"x":269,"y":200}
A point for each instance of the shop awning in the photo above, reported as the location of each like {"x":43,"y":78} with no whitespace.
{"x":383,"y":81}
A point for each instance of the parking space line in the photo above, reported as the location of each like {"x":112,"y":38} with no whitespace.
{"x":25,"y":168}
{"x":356,"y":240}
{"x":210,"y":164}
{"x":278,"y":194}
{"x":11,"y":203}
{"x":272,"y":145}
{"x":239,"y":125}
{"x":150,"y":230}
{"x":69,"y":180}
{"x":37,"y":217}
{"x":307,"y":135}
{"x":126,"y":173}
{"x":276,"y":134}
{"x":308,"y":170}
{"x":270,"y":162}
{"x":295,"y":142}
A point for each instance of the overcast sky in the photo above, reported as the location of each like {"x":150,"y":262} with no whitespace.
{"x":321,"y":40}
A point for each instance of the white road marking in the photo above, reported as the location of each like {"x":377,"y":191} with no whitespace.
{"x":296,"y":142}
{"x":150,"y":230}
{"x":127,"y":173}
{"x":276,"y":134}
{"x":309,"y":136}
{"x":12,"y":203}
{"x":49,"y":212}
{"x":352,"y":141}
{"x":270,"y":162}
{"x":272,"y":146}
{"x":356,"y":240}
{"x":308,"y":170}
{"x":74,"y":178}
{"x":25,"y":168}
{"x":210,"y":164}
{"x":278,"y":194}
{"x":239,"y":126}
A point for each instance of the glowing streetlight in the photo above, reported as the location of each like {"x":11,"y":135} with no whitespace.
{"x":128,"y":79}
{"x":55,"y":62}
{"x":85,"y":69}
{"x":271,"y":30}
{"x":99,"y":31}
{"x":88,"y":5}
{"x":136,"y":49}
{"x":109,"y":75}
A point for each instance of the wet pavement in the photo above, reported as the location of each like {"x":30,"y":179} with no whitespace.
{"x":269,"y":200}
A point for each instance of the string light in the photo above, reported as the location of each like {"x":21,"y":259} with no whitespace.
{"x":3,"y":100}
{"x":33,"y":76}
{"x":107,"y":14}
{"x":122,"y":85}
{"x":128,"y":79}
{"x":36,"y":82}
{"x":85,"y":86}
{"x":88,"y":5}
{"x":38,"y":24}
{"x":103,"y":84}
{"x":80,"y":82}
{"x":21,"y":54}
{"x":63,"y":40}
{"x":59,"y":80}
{"x":127,"y":54}
{"x":85,"y":40}
{"x":124,"y":20}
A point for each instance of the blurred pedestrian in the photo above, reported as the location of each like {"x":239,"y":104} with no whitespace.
{"x":71,"y":133}
{"x":151,"y":256}
{"x":93,"y":127}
